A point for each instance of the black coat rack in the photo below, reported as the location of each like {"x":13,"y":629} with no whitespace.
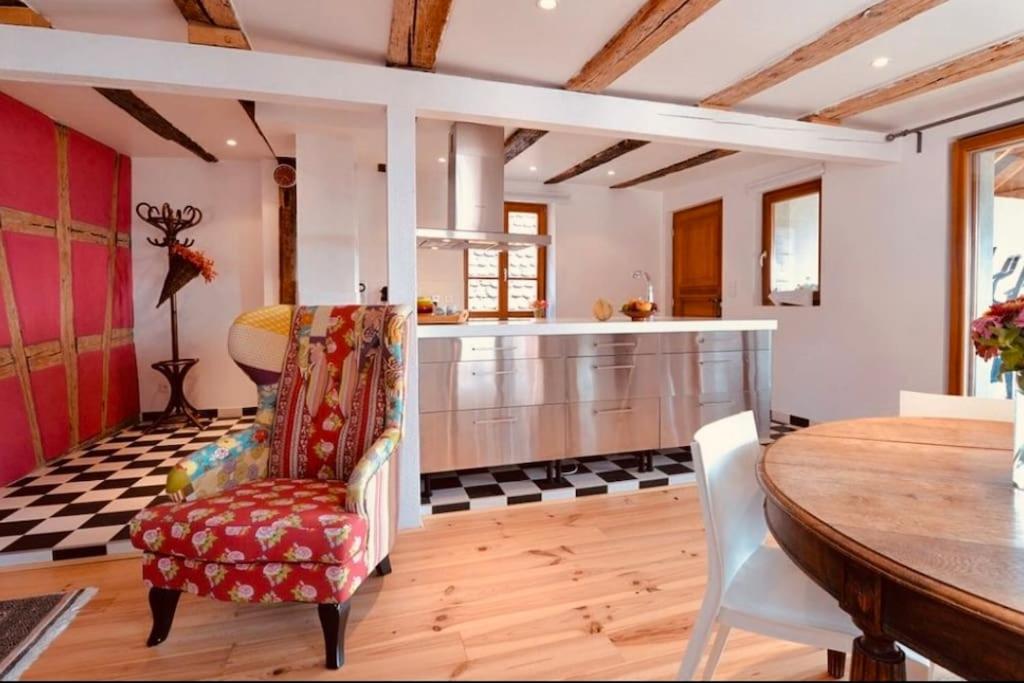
{"x":171,"y":223}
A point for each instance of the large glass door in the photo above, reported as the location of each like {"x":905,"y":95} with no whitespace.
{"x":996,"y":223}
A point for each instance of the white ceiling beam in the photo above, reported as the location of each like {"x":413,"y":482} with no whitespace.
{"x":67,"y":57}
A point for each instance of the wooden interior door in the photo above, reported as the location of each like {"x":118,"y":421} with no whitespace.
{"x":697,"y":261}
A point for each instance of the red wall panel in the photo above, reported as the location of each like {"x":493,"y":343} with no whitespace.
{"x":124,"y":196}
{"x":29,"y":182}
{"x":91,"y":169}
{"x":28,"y":159}
{"x":90,"y":389}
{"x":16,"y":456}
{"x":35,"y":274}
{"x":89,"y":286}
{"x":124,"y":385}
{"x":124,"y":313}
{"x":50,"y":392}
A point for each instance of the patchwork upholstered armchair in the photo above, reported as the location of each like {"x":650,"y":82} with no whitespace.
{"x":301,"y":506}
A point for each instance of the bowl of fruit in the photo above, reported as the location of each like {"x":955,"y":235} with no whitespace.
{"x":639,"y":309}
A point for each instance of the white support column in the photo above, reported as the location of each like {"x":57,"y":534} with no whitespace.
{"x":327,"y":234}
{"x":401,"y":170}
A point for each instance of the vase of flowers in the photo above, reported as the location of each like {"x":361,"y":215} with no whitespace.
{"x":998,"y":336}
{"x":540,"y":308}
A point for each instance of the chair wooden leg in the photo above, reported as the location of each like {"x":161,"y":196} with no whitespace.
{"x":333,"y":618}
{"x":384,"y":568}
{"x":836,"y":664}
{"x":162,"y":603}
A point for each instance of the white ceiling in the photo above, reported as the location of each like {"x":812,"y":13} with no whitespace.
{"x":514,"y":40}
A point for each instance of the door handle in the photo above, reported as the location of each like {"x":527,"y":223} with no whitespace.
{"x":496,"y":421}
{"x":613,"y":411}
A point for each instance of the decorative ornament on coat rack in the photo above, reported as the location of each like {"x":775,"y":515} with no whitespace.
{"x":184,"y":264}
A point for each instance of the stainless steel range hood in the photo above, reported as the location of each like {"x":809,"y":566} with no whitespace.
{"x":476,"y":194}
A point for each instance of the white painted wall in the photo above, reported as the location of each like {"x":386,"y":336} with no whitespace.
{"x":327,"y":233}
{"x":229,"y":195}
{"x":599,"y":237}
{"x":883,"y":320}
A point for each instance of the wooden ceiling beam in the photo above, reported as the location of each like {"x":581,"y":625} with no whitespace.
{"x":125,"y":99}
{"x":977,"y":63}
{"x":858,"y":29}
{"x":683,"y":165}
{"x":603,"y":157}
{"x":648,"y":29}
{"x":1006,"y":176}
{"x":962,"y":68}
{"x":417,"y":27}
{"x":137,"y":108}
{"x":213,"y":22}
{"x":520,"y":140}
{"x":17,"y":13}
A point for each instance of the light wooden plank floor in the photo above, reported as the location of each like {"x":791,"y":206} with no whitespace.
{"x":605,"y":587}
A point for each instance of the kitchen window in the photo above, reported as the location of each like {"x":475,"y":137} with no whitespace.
{"x":791,"y":238}
{"x":504,"y":284}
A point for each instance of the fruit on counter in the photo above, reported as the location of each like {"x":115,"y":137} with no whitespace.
{"x":603,"y":309}
{"x":424,"y":305}
{"x":637,"y":307}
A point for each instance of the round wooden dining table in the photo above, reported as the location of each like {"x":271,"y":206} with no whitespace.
{"x":913,"y":525}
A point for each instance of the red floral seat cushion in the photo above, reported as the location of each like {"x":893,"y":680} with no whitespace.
{"x":274,"y":520}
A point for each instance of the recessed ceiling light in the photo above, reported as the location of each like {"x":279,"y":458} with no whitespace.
{"x":611,"y":172}
{"x":533,"y":169}
{"x":232,"y":142}
{"x":441,"y":160}
{"x":880,"y":62}
{"x":547,"y":4}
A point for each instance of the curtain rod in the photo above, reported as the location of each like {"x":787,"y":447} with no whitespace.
{"x":919,"y":130}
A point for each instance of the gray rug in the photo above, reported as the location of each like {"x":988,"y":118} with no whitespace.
{"x":29,"y":625}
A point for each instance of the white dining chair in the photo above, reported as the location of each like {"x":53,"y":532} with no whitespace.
{"x":918,"y":404}
{"x":751,"y":585}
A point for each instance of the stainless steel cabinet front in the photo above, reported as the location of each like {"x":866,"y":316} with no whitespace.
{"x":489,"y":348}
{"x":605,"y":378}
{"x":612,"y":344}
{"x":682,"y":416}
{"x":603,"y":427}
{"x":696,"y":342}
{"x":716,"y":375}
{"x":474,"y":385}
{"x":485,"y":438}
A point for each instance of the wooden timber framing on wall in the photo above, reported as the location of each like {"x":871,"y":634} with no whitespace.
{"x":963,"y":194}
{"x":21,"y":360}
{"x":287,"y":221}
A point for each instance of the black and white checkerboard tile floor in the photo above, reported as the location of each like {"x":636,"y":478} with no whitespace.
{"x":484,"y":488}
{"x":80,"y":505}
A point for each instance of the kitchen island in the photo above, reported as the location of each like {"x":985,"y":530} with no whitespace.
{"x":542,"y":390}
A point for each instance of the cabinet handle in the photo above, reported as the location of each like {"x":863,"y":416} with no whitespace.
{"x":713,"y":403}
{"x":712,"y":362}
{"x":496,"y":372}
{"x":496,"y":421}
{"x":598,"y":345}
{"x":493,"y":348}
{"x":613,"y":367}
{"x":613,"y":411}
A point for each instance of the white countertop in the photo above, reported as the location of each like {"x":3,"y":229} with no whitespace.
{"x":617,"y":325}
